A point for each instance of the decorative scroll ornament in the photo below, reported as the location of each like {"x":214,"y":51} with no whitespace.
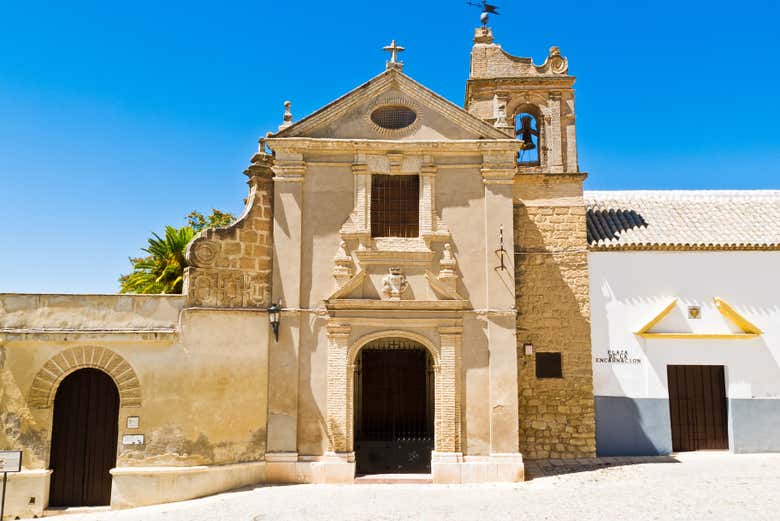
{"x":555,"y":62}
{"x":394,"y":284}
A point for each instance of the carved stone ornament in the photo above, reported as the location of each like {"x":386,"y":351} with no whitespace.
{"x":555,"y":62}
{"x":342,"y":265}
{"x":394,"y":284}
{"x":447,"y":263}
{"x":204,"y":252}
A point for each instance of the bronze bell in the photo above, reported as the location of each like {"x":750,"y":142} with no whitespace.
{"x":526,"y":132}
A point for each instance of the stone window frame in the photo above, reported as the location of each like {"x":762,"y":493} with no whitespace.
{"x":430,"y":227}
{"x":342,"y":357}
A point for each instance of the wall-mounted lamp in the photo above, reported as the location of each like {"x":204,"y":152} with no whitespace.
{"x":528,"y":348}
{"x":274,"y":316}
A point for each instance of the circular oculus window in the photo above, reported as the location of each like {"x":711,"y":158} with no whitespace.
{"x":393,"y":117}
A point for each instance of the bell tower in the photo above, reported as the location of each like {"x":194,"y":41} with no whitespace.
{"x":535,"y":104}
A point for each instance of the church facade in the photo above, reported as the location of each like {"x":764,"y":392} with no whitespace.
{"x":407,"y":290}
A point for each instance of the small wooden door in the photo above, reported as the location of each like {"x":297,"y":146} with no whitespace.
{"x":84,"y":438}
{"x":697,"y":404}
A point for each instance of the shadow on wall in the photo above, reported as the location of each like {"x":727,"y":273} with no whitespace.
{"x":632,"y":426}
{"x":312,"y":424}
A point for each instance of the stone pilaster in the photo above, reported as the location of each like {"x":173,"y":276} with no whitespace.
{"x":283,"y":388}
{"x":427,"y":199}
{"x":362,"y":203}
{"x":447,"y":380}
{"x":554,"y":144}
{"x":339,"y":418}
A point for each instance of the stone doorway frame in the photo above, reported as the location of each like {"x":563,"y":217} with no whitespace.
{"x":342,"y":355}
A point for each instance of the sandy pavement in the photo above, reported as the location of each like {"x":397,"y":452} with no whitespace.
{"x":702,"y":486}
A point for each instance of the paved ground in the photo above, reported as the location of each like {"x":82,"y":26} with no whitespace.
{"x":690,"y":487}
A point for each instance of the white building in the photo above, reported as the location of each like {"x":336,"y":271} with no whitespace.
{"x":685,"y":296}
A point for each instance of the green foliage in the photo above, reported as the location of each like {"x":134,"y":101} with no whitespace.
{"x":162,"y":269}
{"x":199,"y":222}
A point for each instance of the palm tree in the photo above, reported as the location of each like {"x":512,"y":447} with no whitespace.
{"x":162,"y":271}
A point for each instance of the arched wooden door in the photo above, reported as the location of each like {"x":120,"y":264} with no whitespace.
{"x":84,"y":437}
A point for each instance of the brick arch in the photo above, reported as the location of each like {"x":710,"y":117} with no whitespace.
{"x":48,"y":379}
{"x":393,"y":333}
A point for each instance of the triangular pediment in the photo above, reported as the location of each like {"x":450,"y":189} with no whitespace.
{"x":672,"y":322}
{"x":350,"y":116}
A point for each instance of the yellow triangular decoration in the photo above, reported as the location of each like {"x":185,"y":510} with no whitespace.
{"x":749,"y":329}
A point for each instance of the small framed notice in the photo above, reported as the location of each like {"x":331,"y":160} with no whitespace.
{"x":133,"y":422}
{"x":133,"y":439}
{"x":10,"y":461}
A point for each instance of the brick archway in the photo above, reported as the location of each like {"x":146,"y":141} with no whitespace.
{"x":45,"y":383}
{"x":341,"y":367}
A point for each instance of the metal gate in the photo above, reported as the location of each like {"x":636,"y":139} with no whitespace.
{"x":394,"y":407}
{"x":697,"y":405}
{"x":84,"y":437}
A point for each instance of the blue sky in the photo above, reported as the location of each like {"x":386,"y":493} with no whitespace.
{"x":119,"y":118}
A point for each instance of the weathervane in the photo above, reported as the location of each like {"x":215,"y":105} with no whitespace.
{"x":486,"y":10}
{"x":394,"y":49}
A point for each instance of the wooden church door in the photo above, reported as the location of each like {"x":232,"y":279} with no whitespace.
{"x":84,"y":439}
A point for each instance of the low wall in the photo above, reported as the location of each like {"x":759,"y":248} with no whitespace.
{"x":135,"y":487}
{"x":27,"y":494}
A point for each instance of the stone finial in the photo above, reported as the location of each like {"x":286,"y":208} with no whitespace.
{"x":342,"y":265}
{"x":483,"y":35}
{"x":288,"y":117}
{"x":393,"y":62}
{"x":447,"y":262}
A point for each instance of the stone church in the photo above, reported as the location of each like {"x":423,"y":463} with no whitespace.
{"x":407,"y":290}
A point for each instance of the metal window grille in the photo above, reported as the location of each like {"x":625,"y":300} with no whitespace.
{"x":395,"y":205}
{"x":393,"y":117}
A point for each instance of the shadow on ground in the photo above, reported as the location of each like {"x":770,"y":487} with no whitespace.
{"x":555,"y":467}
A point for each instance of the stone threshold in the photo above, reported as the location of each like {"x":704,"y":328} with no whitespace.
{"x":394,"y":479}
{"x":61,"y":511}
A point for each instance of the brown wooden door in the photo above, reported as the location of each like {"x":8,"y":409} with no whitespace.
{"x":697,"y":405}
{"x":394,"y":411}
{"x":84,"y":437}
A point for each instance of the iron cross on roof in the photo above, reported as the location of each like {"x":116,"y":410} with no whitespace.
{"x":394,"y":49}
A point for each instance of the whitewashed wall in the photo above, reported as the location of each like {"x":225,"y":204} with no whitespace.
{"x":629,"y":288}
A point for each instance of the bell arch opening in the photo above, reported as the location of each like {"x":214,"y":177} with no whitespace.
{"x":394,"y":407}
{"x":527,"y":130}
